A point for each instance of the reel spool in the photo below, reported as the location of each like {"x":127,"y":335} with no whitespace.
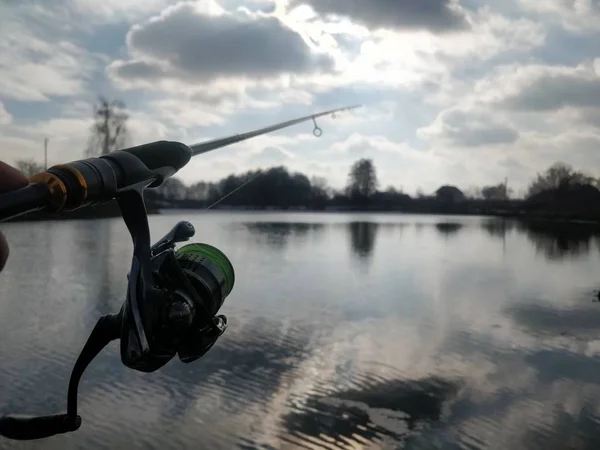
{"x":211,"y":274}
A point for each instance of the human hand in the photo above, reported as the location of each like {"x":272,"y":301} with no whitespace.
{"x":10,"y":180}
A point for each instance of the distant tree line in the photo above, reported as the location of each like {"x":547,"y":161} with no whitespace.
{"x":278,"y":188}
{"x":559,"y":188}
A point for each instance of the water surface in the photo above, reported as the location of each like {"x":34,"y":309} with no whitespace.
{"x":357,"y":331}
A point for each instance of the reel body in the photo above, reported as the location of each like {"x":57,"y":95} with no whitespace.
{"x":172,"y":301}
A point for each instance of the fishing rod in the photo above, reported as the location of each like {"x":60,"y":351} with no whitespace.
{"x":173,"y":296}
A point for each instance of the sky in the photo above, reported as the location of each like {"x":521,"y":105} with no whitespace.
{"x":460,"y":92}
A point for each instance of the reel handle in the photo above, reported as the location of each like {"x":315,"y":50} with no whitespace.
{"x":37,"y":427}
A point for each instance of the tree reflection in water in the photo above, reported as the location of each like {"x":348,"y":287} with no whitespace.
{"x":377,"y":409}
{"x":558,"y":241}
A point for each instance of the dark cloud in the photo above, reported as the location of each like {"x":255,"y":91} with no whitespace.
{"x":434,"y":15}
{"x":184,"y":44}
{"x":141,"y":69}
{"x":471,"y":129}
{"x":552,"y":91}
{"x":490,"y":135}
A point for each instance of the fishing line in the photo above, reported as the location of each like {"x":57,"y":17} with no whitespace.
{"x":317,"y":131}
{"x":234,"y":191}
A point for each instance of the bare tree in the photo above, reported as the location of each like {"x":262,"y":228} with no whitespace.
{"x":558,"y":176}
{"x":497,"y":192}
{"x":473,"y":192}
{"x":109,"y":132}
{"x":29,"y":167}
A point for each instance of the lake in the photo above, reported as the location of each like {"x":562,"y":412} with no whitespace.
{"x":360,"y":331}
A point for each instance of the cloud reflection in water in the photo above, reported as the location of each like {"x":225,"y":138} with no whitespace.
{"x":442,"y":343}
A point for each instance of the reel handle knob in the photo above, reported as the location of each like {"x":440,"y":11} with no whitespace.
{"x":37,"y":427}
{"x":180,"y":233}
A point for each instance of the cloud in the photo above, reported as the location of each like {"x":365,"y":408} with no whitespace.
{"x":82,"y":16}
{"x":463,"y":128}
{"x":36,"y":64}
{"x":576,"y":16}
{"x":5,"y":116}
{"x":434,"y":15}
{"x":545,"y":88}
{"x":269,"y":156}
{"x":530,"y":115}
{"x":196,"y":46}
{"x":414,"y":60}
{"x":357,"y":143}
{"x":460,"y":77}
{"x":115,"y":10}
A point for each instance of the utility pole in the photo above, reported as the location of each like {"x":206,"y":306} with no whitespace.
{"x":46,"y":154}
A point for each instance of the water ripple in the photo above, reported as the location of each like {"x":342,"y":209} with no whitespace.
{"x":346,"y":332}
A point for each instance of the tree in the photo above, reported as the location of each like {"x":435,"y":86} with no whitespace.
{"x":498,"y":192}
{"x":362,"y":179}
{"x":173,"y":189}
{"x":109,"y":131}
{"x":474,"y":192}
{"x":557,"y":176}
{"x":320,"y":186}
{"x":320,"y":190}
{"x":29,"y":167}
{"x":450,"y":194}
{"x":198,"y":191}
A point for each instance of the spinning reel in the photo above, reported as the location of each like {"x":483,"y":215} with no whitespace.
{"x":173,"y":297}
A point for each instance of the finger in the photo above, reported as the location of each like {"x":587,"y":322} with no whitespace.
{"x":11,"y":178}
{"x":3,"y":251}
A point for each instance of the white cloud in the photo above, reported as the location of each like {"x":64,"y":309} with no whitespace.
{"x":435,"y":15}
{"x":116,"y":10}
{"x":81,"y":16}
{"x":518,"y":119}
{"x":577,"y":16}
{"x":540,"y":87}
{"x":34,"y":68}
{"x":413,"y":59}
{"x":5,"y":116}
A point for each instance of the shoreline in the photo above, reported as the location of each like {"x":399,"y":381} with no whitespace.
{"x":111,"y":210}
